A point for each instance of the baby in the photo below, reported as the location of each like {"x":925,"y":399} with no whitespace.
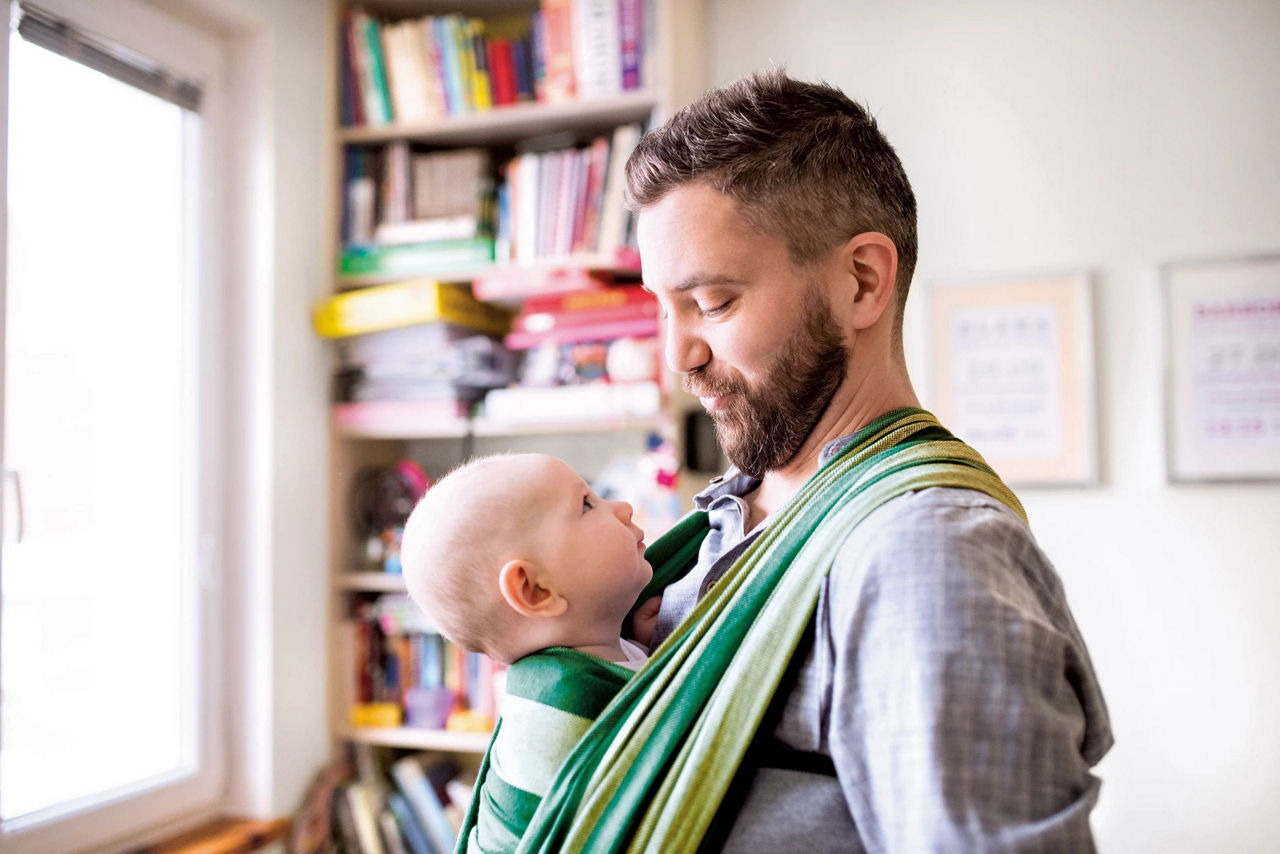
{"x":516,"y":556}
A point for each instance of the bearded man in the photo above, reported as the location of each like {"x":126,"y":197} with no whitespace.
{"x":941,"y":698}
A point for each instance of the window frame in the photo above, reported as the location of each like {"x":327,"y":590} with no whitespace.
{"x":200,"y":56}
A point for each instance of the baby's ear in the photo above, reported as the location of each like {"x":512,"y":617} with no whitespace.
{"x":517,"y":580}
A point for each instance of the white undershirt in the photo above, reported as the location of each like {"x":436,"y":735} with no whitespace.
{"x":635,"y":655}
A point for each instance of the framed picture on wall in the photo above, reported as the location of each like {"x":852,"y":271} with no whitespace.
{"x":1222,"y":321}
{"x":1012,"y":364}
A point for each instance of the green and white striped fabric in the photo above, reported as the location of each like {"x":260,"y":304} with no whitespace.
{"x":552,"y":698}
{"x":650,"y":774}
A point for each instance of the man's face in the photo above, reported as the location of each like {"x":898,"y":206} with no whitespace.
{"x":756,"y":339}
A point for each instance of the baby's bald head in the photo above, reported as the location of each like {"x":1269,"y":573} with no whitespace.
{"x":465,"y":528}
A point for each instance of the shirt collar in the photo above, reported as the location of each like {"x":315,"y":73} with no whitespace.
{"x":735,"y":482}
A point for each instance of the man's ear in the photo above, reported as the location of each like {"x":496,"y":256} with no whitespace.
{"x":869,"y":262}
{"x":525,"y":595}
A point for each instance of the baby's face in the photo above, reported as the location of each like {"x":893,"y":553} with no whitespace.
{"x":589,"y":545}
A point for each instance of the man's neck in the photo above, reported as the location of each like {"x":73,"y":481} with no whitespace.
{"x":855,"y":404}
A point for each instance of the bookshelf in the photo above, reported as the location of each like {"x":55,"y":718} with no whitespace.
{"x":672,"y":74}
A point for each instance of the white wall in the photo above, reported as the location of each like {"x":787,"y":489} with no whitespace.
{"x":279,"y":82}
{"x":1111,"y":135}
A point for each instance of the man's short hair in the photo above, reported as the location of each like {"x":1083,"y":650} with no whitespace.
{"x":801,"y":159}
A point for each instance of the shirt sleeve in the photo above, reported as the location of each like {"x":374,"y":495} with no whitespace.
{"x":964,"y":713}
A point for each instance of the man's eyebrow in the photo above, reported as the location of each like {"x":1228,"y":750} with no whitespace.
{"x":701,"y":280}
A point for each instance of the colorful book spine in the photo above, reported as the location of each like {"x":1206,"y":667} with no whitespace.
{"x":631,"y":42}
{"x":416,"y":258}
{"x":478,"y":49}
{"x":450,"y":63}
{"x":378,"y":70}
{"x":557,"y":51}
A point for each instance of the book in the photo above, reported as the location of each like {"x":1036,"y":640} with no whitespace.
{"x":557,"y":51}
{"x":478,"y":50}
{"x":424,"y":803}
{"x":624,"y":302}
{"x":378,"y":71}
{"x":603,"y":402}
{"x":451,"y":64}
{"x":392,"y":839}
{"x":414,"y":834}
{"x":631,"y":42}
{"x":613,"y":212}
{"x":597,"y":54}
{"x":361,"y":800}
{"x":404,"y":304}
{"x":512,"y":282}
{"x":405,"y":82}
{"x":605,"y":330}
{"x":456,"y":227}
{"x":437,"y":86}
{"x":597,"y":166}
{"x":439,"y":256}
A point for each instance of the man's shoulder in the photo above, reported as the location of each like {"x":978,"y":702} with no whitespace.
{"x":942,"y":514}
{"x":933,"y":542}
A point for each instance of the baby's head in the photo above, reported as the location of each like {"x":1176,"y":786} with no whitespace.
{"x":514,"y":553}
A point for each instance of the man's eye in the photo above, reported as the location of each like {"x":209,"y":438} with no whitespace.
{"x":717,"y":310}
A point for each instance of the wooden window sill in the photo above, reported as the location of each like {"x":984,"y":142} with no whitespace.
{"x":226,"y":835}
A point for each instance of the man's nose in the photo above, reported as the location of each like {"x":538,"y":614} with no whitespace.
{"x":685,"y":350}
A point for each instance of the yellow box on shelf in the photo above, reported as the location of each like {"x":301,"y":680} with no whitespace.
{"x":376,"y":715}
{"x":404,"y":304}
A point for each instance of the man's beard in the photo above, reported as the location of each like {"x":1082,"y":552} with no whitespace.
{"x":761,"y":429}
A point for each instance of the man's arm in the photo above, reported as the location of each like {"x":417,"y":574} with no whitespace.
{"x":965,"y":713}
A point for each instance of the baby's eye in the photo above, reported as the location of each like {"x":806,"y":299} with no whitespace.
{"x":586,"y":503}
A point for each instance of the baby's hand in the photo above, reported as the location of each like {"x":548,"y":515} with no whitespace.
{"x":644,"y":620}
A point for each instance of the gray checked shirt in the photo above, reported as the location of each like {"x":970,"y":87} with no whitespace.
{"x":945,"y":679}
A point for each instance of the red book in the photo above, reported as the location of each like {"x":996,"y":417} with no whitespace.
{"x":624,"y":297}
{"x":543,"y":322}
{"x":644,"y":327}
{"x":502,"y":70}
{"x":350,"y":80}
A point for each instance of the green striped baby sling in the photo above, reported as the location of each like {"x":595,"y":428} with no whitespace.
{"x":651,"y":772}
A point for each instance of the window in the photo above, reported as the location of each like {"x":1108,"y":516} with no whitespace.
{"x":108,"y":718}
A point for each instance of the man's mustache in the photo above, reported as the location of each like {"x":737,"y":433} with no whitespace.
{"x":708,"y":385}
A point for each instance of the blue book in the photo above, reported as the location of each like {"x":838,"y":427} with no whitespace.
{"x":449,"y":67}
{"x":426,"y":806}
{"x":414,"y":834}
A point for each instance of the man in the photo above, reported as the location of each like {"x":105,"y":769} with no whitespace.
{"x":943,"y":699}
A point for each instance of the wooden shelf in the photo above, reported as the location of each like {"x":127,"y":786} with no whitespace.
{"x":507,"y":125}
{"x":371,"y":582}
{"x":402,"y":424}
{"x":464,"y":275}
{"x":419,"y":739}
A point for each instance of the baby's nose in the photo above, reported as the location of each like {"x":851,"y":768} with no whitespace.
{"x":623,"y":510}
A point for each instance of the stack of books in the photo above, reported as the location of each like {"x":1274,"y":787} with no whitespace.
{"x":413,"y":804}
{"x":432,"y":213}
{"x":422,"y":342}
{"x":424,"y":69}
{"x":404,"y":674}
{"x":416,"y":212}
{"x":594,"y":353}
{"x":554,"y":204}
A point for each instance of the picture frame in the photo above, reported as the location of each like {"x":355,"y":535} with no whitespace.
{"x":1013,"y":374}
{"x":1222,"y":369}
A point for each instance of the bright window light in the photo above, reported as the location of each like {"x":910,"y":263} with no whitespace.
{"x":98,"y":620}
